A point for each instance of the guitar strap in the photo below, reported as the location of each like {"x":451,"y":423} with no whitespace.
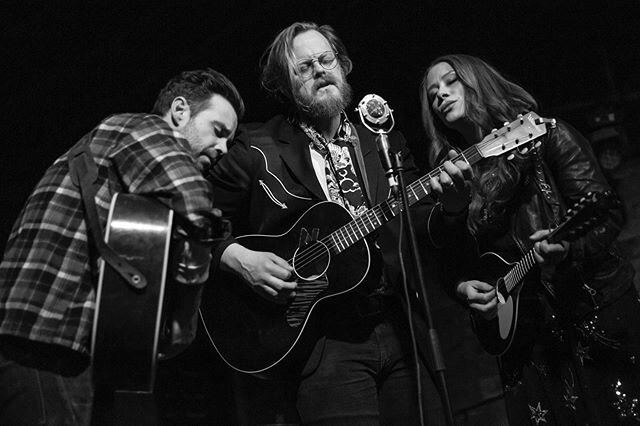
{"x":556,"y":206}
{"x":357,"y":151}
{"x":84,"y":173}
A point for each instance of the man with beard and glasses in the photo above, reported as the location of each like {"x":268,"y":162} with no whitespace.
{"x":359,"y":367}
{"x":49,"y":273}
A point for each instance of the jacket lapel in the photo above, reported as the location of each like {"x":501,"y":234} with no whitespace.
{"x":296,"y":156}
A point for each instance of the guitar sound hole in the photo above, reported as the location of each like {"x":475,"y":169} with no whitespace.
{"x":311,"y":261}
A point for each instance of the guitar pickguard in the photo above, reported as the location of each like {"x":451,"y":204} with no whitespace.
{"x":252,"y":334}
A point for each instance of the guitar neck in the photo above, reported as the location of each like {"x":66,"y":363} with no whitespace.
{"x":516,"y":134}
{"x":587,"y":213}
{"x":519,"y":271}
{"x":374,"y":218}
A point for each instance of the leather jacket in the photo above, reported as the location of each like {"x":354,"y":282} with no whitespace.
{"x":594,"y":264}
{"x":594,"y":270}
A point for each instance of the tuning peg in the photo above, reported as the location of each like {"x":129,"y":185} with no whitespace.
{"x":511,"y":157}
{"x":537,"y":144}
{"x":524,"y":150}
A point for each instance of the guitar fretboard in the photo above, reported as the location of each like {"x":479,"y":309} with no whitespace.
{"x":513,"y":135}
{"x":374,"y":218}
{"x":518,"y":272}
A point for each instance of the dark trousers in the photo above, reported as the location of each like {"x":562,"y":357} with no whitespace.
{"x":366,"y":374}
{"x":43,"y":386}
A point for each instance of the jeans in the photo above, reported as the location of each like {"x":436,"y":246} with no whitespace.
{"x":366,"y":376}
{"x":41,"y":387}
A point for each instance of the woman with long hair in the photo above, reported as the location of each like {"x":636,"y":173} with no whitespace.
{"x":575,"y":354}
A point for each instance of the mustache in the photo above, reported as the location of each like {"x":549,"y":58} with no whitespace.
{"x":325,"y":81}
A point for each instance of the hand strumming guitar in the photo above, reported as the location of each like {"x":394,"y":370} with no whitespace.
{"x":268,"y":274}
{"x":480,"y":296}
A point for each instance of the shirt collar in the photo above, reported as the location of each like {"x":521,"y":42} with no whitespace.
{"x":319,"y":142}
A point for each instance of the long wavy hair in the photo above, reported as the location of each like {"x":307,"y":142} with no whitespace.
{"x":491,"y":100}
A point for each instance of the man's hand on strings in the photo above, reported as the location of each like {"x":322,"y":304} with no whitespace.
{"x":268,"y":274}
{"x":453,"y":184}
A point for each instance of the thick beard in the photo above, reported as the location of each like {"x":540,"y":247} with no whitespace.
{"x":325,"y":108}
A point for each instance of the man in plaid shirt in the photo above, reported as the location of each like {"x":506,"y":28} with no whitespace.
{"x":49,"y":272}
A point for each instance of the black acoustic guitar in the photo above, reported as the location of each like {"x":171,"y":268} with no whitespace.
{"x":128,"y":320}
{"x":330,"y":256}
{"x":497,"y":335}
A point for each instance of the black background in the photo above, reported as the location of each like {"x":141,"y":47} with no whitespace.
{"x":69,"y":64}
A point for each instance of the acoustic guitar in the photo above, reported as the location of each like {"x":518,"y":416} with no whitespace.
{"x":330,"y":256}
{"x":497,"y":335}
{"x":128,"y":320}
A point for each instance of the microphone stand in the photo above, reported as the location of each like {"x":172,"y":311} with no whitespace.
{"x":436,"y":351}
{"x":376,"y":115}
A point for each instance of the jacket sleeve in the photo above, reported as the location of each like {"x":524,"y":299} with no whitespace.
{"x":231,"y":182}
{"x":575,"y":170}
{"x":594,"y":262}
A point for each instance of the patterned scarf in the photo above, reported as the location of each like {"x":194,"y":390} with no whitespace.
{"x":342,"y":181}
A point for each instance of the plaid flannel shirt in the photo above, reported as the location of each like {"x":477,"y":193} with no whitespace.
{"x":49,"y":273}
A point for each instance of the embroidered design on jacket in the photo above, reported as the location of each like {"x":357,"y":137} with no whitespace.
{"x":271,"y":196}
{"x":268,"y":190}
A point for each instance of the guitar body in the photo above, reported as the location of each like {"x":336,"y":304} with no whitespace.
{"x":127,"y":320}
{"x":252,"y":334}
{"x":329,"y":253}
{"x":496,"y":335}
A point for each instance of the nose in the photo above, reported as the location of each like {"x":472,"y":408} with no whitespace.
{"x":442,"y":95}
{"x":317,"y":68}
{"x":221,"y":146}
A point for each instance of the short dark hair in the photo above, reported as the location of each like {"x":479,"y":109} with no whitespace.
{"x":278,"y":65}
{"x":197,"y":87}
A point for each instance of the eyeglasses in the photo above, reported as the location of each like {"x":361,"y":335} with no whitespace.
{"x":327,"y":60}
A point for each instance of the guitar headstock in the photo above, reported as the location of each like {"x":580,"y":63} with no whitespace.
{"x":589,"y":212}
{"x":520,"y":133}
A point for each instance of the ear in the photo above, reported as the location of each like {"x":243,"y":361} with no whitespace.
{"x":180,"y":112}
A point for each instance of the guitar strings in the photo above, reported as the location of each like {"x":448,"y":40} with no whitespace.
{"x":346,"y":235}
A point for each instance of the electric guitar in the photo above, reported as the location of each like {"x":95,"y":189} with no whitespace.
{"x":128,"y":320}
{"x":330,"y":256}
{"x":497,"y":334}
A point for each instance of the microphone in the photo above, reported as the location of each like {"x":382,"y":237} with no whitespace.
{"x":376,"y":116}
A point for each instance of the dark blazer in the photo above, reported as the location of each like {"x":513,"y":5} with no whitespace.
{"x":267,"y":181}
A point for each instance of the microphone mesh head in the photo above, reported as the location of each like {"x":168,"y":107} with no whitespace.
{"x":375,"y":112}
{"x":375,"y":108}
